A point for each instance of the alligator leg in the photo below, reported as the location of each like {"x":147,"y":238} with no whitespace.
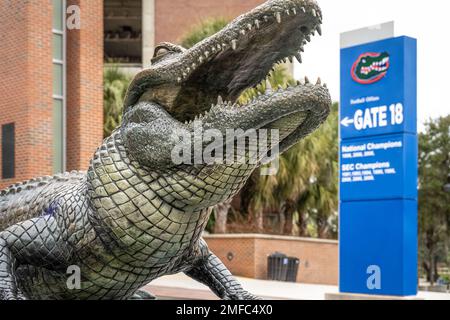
{"x":210,"y":271}
{"x":8,"y":286}
{"x":36,"y":242}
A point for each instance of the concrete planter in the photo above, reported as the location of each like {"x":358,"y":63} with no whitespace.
{"x":246,"y":255}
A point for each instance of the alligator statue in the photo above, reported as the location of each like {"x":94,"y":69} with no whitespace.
{"x":135,"y":215}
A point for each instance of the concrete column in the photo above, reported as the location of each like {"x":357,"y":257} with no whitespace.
{"x":148,"y":31}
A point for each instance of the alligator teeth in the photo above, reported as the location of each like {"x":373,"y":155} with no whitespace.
{"x":188,"y":70}
{"x":280,"y":87}
{"x":291,"y":60}
{"x":313,"y":11}
{"x":219,"y":100}
{"x":243,"y":32}
{"x":319,"y":30}
{"x":268,"y":86}
{"x":200,"y":59}
{"x":302,"y":49}
{"x":206,"y":54}
{"x":298,"y":56}
{"x":249,"y":26}
{"x":266,"y":18}
{"x":303,"y":9}
{"x":294,"y":10}
{"x":308,"y":38}
{"x":179,"y":79}
{"x":325,"y":85}
{"x":194,"y":65}
{"x":288,"y":12}
{"x":234,"y":44}
{"x":184,"y":75}
{"x":319,"y":82}
{"x":306,"y":80}
{"x":278,"y":16}
{"x":219,"y":47}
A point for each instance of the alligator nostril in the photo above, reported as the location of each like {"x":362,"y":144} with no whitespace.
{"x":304,"y":29}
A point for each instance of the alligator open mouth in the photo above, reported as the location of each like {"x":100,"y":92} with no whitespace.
{"x":214,"y":73}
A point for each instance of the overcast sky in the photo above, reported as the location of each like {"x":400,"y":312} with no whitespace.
{"x":428,"y":21}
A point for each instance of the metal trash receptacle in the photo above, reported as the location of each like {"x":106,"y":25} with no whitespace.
{"x":292,"y":269}
{"x":277,"y":266}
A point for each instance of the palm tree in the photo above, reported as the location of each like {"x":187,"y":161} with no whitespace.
{"x":264,"y":192}
{"x":305,"y":187}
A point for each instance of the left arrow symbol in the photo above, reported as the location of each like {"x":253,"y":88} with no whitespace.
{"x":347,"y":121}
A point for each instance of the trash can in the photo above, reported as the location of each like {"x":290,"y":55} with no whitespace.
{"x":292,"y":269}
{"x":277,"y":266}
{"x":282,"y":268}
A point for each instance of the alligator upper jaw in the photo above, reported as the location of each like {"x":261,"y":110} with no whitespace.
{"x":238,"y":57}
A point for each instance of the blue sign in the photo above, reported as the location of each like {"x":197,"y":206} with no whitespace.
{"x":378,"y":168}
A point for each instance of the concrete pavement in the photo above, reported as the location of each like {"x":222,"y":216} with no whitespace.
{"x":180,"y":286}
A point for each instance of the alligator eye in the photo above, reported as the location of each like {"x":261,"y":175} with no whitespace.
{"x":160,"y":51}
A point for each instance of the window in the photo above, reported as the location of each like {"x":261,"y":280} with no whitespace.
{"x":8,"y":151}
{"x":59,"y":87}
{"x":123,"y":31}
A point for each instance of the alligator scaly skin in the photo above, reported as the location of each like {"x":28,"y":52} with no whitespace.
{"x":121,"y":224}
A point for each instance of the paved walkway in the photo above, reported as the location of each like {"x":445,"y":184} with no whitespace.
{"x":180,"y":286}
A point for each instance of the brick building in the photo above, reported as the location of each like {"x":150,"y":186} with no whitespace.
{"x":133,"y":27}
{"x":51,"y":87}
{"x":51,"y":111}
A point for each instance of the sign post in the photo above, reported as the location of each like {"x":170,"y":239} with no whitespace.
{"x":378,"y":168}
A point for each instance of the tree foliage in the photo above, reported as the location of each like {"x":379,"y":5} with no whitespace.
{"x":434,"y":202}
{"x":203,"y":30}
{"x":115,"y":87}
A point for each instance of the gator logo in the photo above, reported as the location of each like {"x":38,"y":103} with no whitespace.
{"x":370,"y":67}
